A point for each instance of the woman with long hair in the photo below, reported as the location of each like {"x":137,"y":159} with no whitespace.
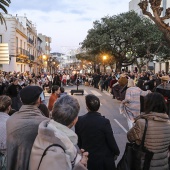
{"x":157,"y":138}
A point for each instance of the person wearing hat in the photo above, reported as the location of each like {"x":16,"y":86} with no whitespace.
{"x":22,"y":129}
{"x":164,"y":89}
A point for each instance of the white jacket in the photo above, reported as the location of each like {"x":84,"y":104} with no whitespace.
{"x":51,"y":132}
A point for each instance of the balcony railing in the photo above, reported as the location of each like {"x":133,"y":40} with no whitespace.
{"x":31,"y":57}
{"x":30,"y":41}
{"x":39,"y":49}
{"x":21,"y":51}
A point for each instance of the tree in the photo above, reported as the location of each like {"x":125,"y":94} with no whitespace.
{"x":3,"y":5}
{"x":126,"y":37}
{"x":159,"y":20}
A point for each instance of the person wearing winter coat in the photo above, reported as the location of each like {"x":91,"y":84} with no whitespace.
{"x":157,"y":137}
{"x":22,"y":129}
{"x":64,"y":156}
{"x":95,"y":135}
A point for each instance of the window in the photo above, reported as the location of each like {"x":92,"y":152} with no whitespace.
{"x":17,"y":45}
{"x":0,"y":38}
{"x":17,"y":42}
{"x":21,"y":43}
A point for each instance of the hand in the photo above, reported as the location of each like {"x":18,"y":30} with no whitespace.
{"x":84,"y":157}
{"x":149,"y":91}
{"x":115,"y":157}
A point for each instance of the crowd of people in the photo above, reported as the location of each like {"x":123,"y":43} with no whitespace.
{"x":36,"y":135}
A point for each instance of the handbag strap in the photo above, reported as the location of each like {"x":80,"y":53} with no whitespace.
{"x":144,"y":134}
{"x":44,"y":153}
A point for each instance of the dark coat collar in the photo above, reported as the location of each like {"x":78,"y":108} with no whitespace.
{"x":94,"y":113}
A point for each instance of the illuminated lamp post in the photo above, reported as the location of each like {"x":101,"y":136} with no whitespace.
{"x":104,"y":59}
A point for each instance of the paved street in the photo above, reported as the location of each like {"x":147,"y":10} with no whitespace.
{"x":109,"y":108}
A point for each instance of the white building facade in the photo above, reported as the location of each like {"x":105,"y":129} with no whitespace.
{"x":24,"y":45}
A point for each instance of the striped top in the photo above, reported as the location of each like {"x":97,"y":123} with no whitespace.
{"x":131,"y":104}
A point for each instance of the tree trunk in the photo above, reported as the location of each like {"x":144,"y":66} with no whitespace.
{"x":118,"y":67}
{"x":140,"y":69}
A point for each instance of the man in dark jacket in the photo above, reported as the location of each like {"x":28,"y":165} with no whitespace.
{"x":13,"y":92}
{"x":56,"y":80}
{"x":95,"y":136}
{"x":22,"y":129}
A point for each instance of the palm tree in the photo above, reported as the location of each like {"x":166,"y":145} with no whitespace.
{"x":3,"y":5}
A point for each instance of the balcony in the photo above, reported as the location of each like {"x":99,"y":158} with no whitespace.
{"x":30,"y":41}
{"x":21,"y":51}
{"x":48,"y":39}
{"x":47,"y":48}
{"x":31,"y":57}
{"x":24,"y":56}
{"x":39,"y":49}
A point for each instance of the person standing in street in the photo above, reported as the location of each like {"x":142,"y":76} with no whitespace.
{"x":13,"y":92}
{"x":50,"y":80}
{"x":131,"y":105}
{"x":157,"y":138}
{"x":54,"y":96}
{"x":22,"y":129}
{"x":164,"y":89}
{"x":64,"y":155}
{"x":95,"y":135}
{"x":56,"y":80}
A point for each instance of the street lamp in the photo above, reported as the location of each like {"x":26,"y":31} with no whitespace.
{"x":44,"y":57}
{"x":44,"y":61}
{"x":104,"y":58}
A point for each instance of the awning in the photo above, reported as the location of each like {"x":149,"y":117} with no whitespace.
{"x":4,"y":53}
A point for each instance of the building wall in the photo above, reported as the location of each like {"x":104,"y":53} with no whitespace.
{"x":16,"y":35}
{"x":45,"y":45}
{"x":8,"y":36}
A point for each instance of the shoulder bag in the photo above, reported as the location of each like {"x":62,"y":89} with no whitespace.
{"x":44,"y":153}
{"x":136,"y":157}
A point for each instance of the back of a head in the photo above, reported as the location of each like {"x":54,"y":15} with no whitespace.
{"x":92,"y":102}
{"x":62,"y":89}
{"x":55,"y":88}
{"x":154,"y":102}
{"x":131,"y":83}
{"x":5,"y":102}
{"x":65,"y":110}
{"x":30,"y":94}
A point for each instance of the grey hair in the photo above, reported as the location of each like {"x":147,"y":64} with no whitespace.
{"x":65,"y":110}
